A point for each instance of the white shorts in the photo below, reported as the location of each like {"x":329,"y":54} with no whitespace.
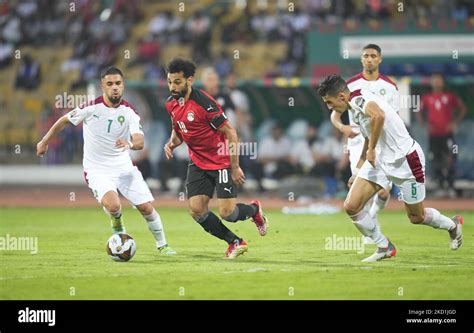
{"x":408,"y":173}
{"x":354,"y":155}
{"x":129,"y":183}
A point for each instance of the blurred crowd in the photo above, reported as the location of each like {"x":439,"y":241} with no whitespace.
{"x":96,"y":29}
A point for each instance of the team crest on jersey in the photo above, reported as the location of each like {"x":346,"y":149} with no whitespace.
{"x":382,"y":92}
{"x":190,"y":116}
{"x":360,"y":101}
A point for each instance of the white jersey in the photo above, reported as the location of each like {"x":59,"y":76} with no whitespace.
{"x":103,"y":126}
{"x":382,"y":87}
{"x":394,"y":142}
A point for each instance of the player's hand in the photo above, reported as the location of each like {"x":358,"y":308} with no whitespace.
{"x":349,"y":131}
{"x":168,"y":151}
{"x":351,"y":181}
{"x":238,"y":176}
{"x":121,"y":143}
{"x":370,"y":157}
{"x":41,"y":148}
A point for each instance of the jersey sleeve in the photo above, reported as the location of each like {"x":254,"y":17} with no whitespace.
{"x":135,"y":126}
{"x":78,"y":115}
{"x":215,"y":116}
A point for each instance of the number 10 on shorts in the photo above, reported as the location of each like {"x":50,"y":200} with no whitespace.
{"x":223,"y":176}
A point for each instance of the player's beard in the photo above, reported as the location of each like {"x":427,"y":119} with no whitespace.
{"x":115,"y":100}
{"x":182,"y":93}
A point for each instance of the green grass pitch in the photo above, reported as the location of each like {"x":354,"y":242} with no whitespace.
{"x":291,"y":262}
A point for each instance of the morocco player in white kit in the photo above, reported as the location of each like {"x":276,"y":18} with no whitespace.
{"x":389,"y":154}
{"x":382,"y":86}
{"x":111,"y":128}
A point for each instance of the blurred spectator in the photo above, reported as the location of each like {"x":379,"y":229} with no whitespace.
{"x":6,"y":53}
{"x":199,"y":31}
{"x":141,"y":159}
{"x":177,"y":167}
{"x":211,"y":83}
{"x":243,"y":120}
{"x":154,"y":71}
{"x":437,"y":111}
{"x":243,"y":117}
{"x":330,"y":160}
{"x":158,"y":25}
{"x":274,"y":156}
{"x":223,"y":64}
{"x":89,"y":71}
{"x":301,"y":156}
{"x":12,"y":28}
{"x":29,"y":74}
{"x":148,"y":51}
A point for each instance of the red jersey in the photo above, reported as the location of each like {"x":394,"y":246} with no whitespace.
{"x":440,"y":108}
{"x":197,"y":122}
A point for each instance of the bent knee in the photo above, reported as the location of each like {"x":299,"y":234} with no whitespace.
{"x":145,"y":209}
{"x":383,"y":195}
{"x":197,"y":212}
{"x":351,"y":208}
{"x":416,"y":219}
{"x":112,"y":207}
{"x":225,"y":212}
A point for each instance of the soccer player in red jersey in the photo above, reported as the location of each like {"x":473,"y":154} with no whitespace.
{"x":198,"y":120}
{"x":439,"y":108}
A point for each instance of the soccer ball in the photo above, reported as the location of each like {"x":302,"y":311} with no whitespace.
{"x":121,"y":247}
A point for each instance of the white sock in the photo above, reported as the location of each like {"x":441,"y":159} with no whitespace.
{"x":154,"y":224}
{"x":377,"y":204}
{"x":437,"y":220}
{"x":368,"y":226}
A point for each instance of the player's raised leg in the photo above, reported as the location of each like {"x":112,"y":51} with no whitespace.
{"x":198,"y":208}
{"x":231,"y":211}
{"x":360,"y":193}
{"x":155,"y":226}
{"x":111,"y":203}
{"x":432,"y":217}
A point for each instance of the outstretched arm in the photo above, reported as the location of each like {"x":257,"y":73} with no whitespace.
{"x":42,"y":146}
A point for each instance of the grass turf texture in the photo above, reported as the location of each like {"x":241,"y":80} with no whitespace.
{"x":291,"y":262}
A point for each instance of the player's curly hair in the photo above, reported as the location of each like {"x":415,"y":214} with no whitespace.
{"x":331,"y":86}
{"x":177,"y":65}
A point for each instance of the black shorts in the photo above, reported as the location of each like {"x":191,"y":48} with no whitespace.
{"x":204,"y":182}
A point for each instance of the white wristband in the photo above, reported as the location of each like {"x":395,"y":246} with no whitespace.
{"x":130,"y":144}
{"x":356,"y":171}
